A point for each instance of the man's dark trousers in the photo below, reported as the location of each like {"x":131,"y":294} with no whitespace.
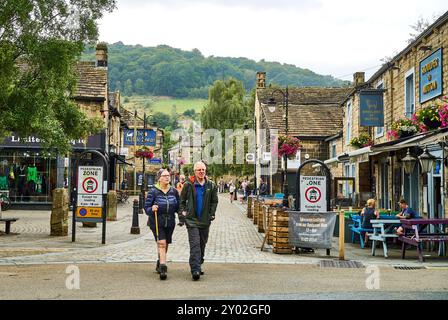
{"x":198,"y":238}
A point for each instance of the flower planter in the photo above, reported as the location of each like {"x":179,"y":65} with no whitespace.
{"x":432,"y":124}
{"x":406,"y":134}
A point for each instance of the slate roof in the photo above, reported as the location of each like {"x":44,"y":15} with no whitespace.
{"x":92,"y":81}
{"x":312,"y":112}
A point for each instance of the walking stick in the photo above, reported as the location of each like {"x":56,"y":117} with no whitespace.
{"x":157,"y":226}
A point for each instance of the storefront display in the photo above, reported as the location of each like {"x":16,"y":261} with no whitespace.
{"x":27,"y":176}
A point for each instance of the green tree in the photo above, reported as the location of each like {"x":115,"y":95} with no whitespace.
{"x":228,"y":108}
{"x":40,"y":42}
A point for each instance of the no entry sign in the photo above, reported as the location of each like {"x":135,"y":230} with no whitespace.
{"x":313,"y":195}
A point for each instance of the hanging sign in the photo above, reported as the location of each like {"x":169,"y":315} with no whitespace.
{"x":431,"y":76}
{"x":145,"y":137}
{"x":371,"y":108}
{"x":313,"y":194}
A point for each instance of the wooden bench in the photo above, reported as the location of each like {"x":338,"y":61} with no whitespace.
{"x":380,"y":233}
{"x":419,"y":237}
{"x":357,"y":229}
{"x":8,"y":222}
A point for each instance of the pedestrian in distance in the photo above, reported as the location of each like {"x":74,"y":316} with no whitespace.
{"x":180,"y":184}
{"x":231,"y":190}
{"x":263,"y":188}
{"x":162,"y":203}
{"x":198,"y":202}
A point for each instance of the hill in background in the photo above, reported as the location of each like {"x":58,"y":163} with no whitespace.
{"x":166,"y":71}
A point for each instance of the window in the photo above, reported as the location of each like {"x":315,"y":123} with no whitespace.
{"x":333,"y":149}
{"x":379,"y":131}
{"x":409,"y":92}
{"x":349,"y":123}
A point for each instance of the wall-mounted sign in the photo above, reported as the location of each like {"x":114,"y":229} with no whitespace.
{"x":371,"y":108}
{"x":155,"y":161}
{"x":144,"y":137}
{"x":431,"y":76}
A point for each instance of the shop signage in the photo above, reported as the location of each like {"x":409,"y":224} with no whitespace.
{"x":92,"y":142}
{"x":139,"y":179}
{"x":311,"y":230}
{"x":431,"y":76}
{"x":313,"y":197}
{"x":371,"y":108}
{"x":145,"y":137}
{"x":155,"y":161}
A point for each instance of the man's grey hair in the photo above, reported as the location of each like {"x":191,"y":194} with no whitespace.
{"x":199,"y":163}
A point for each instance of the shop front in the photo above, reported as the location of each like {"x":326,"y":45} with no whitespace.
{"x":29,"y":174}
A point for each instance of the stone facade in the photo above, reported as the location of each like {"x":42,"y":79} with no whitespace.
{"x":385,"y":168}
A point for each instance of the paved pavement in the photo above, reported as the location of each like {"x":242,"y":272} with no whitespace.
{"x":233,"y":239}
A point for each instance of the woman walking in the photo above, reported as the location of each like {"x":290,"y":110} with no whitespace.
{"x":161,"y":205}
{"x":231,"y":190}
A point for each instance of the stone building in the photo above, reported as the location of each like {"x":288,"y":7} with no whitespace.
{"x":132,"y":167}
{"x":415,"y":79}
{"x":314,"y":115}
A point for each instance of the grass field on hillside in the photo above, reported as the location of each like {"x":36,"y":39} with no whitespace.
{"x":162,"y":104}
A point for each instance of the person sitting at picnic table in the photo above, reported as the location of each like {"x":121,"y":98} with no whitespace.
{"x":368,"y":213}
{"x":406,"y":213}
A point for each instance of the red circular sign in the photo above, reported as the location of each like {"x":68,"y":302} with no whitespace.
{"x":313,"y":194}
{"x":90,"y":185}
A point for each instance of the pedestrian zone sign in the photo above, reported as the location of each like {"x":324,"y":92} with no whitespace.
{"x":313,"y":196}
{"x":90,"y":186}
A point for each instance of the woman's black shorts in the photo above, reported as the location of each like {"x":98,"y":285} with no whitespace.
{"x":164,"y":233}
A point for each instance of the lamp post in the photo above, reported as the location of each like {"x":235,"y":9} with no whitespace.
{"x":273,"y":103}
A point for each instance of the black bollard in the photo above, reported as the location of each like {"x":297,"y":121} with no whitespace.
{"x":141,"y":203}
{"x":135,"y":229}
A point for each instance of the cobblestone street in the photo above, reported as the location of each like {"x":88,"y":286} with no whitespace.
{"x":233,"y":239}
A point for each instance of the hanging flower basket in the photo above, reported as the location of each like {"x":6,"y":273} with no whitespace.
{"x":362,"y":141}
{"x":429,"y":117}
{"x":145,"y":152}
{"x":402,"y":128}
{"x":288,"y":146}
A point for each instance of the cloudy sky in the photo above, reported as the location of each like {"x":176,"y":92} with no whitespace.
{"x":330,"y":37}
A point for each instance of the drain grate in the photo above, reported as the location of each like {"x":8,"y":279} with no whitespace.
{"x":340,"y":264}
{"x":408,"y":268}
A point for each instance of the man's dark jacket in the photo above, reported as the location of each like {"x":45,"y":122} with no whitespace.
{"x":188,"y":203}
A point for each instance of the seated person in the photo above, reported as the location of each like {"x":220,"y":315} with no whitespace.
{"x":368,"y":213}
{"x":406,"y":213}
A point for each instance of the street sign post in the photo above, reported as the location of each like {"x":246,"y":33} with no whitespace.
{"x":91,"y":191}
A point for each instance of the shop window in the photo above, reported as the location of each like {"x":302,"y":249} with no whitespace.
{"x":27,"y":177}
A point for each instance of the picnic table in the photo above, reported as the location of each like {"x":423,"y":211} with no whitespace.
{"x":420,"y":234}
{"x":357,"y":228}
{"x":383,"y":230}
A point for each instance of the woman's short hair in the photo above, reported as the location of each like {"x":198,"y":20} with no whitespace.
{"x":371,"y":202}
{"x":159,"y":173}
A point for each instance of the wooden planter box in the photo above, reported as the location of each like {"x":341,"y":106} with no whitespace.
{"x":250,"y":209}
{"x":280,"y":232}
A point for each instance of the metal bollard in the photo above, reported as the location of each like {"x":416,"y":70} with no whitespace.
{"x":135,"y":229}
{"x":141,"y":203}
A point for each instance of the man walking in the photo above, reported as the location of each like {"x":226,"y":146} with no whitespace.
{"x":198,"y":202}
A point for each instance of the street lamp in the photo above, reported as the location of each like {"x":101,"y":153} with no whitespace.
{"x":409,"y":163}
{"x":426,"y":161}
{"x":143,"y":186}
{"x":272,"y":103}
{"x":246,"y":130}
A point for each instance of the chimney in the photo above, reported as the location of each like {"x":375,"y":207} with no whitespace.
{"x":358,"y":78}
{"x":261,"y":80}
{"x":101,"y":54}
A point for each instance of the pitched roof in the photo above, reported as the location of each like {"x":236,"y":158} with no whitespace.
{"x":305,"y":95}
{"x":312,"y":112}
{"x":92,"y":81}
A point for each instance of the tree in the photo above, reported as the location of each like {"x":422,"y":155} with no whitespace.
{"x":40,"y":43}
{"x":420,"y":26}
{"x":228,"y":108}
